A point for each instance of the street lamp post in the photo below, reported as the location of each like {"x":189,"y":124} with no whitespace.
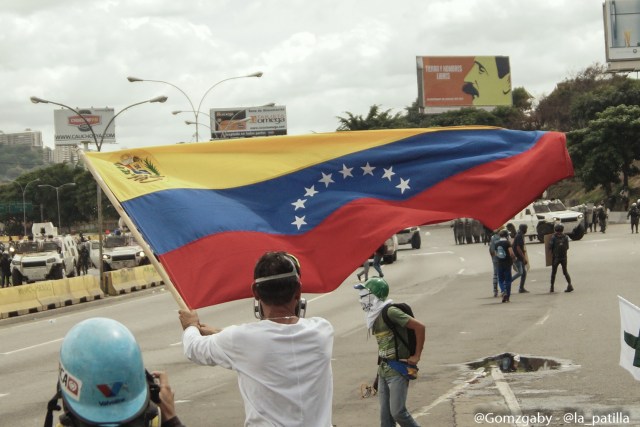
{"x":37,"y":100}
{"x":196,"y":112}
{"x":73,"y":184}
{"x":24,"y":204}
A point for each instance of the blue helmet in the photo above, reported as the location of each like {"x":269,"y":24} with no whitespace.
{"x":102,"y":378}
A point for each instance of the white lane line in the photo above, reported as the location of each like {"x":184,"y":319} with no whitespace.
{"x":5,"y":394}
{"x":460,"y":271}
{"x":431,"y":253}
{"x":544,"y":318}
{"x":507,"y":393}
{"x":30,"y":347}
{"x":461,"y":259}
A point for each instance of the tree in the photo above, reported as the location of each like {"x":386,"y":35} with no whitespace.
{"x":555,"y":110}
{"x":376,"y":119}
{"x":77,"y":204}
{"x":607,"y":147}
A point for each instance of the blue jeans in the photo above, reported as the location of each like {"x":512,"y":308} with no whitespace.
{"x":504,"y":279}
{"x":495,"y":273}
{"x":393,"y":398}
{"x":522,"y":273}
{"x":377,"y":258}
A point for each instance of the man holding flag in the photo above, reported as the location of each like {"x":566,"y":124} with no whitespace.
{"x":283,"y":361}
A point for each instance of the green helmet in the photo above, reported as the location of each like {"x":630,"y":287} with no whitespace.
{"x":378,"y":286}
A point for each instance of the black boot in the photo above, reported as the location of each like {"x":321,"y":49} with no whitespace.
{"x":551,"y":289}
{"x":569,"y":288}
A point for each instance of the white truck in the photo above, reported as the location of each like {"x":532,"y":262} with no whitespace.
{"x":542,"y":215}
{"x":410,"y":236}
{"x":122,"y":251}
{"x":46,"y":256}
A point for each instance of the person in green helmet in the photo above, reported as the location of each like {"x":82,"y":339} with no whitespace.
{"x":393,"y":386}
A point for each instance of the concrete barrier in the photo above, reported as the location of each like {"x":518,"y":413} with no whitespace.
{"x":63,"y":292}
{"x":78,"y":290}
{"x":92,"y":284}
{"x":147,"y":276}
{"x":18,"y":300}
{"x":46,"y":295}
{"x":122,"y":281}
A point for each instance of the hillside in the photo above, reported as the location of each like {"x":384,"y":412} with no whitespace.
{"x":572,"y":193}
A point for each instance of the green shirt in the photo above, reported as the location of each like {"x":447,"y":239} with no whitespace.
{"x":386,"y":341}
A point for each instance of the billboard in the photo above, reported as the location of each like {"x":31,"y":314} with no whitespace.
{"x":463,"y":81}
{"x":70,"y":128}
{"x":248,"y":122}
{"x":622,"y":30}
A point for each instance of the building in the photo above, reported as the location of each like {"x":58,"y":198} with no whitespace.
{"x":28,"y":137}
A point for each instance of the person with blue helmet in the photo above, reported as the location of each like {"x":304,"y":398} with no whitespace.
{"x":102,"y":381}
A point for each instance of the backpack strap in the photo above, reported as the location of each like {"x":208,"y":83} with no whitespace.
{"x":394,"y":328}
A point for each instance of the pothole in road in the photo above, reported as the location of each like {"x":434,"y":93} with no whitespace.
{"x":510,"y":362}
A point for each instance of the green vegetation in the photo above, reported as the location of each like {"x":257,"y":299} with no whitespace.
{"x":16,"y":160}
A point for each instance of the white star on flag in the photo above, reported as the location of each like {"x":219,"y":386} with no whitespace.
{"x":326,"y":179}
{"x":368,"y":169}
{"x":346,"y":171}
{"x":310,"y":191}
{"x":299,"y":204}
{"x":388,"y":173}
{"x":404,"y":185}
{"x":299,"y":222}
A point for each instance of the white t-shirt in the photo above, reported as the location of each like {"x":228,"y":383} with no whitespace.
{"x":284,"y":371}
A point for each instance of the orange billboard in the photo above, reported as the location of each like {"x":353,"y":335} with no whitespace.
{"x":464,"y":81}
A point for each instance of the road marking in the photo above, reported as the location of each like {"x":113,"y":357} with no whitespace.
{"x":5,"y":394}
{"x":507,"y":393}
{"x":544,"y":318}
{"x":460,"y":271}
{"x":30,"y":347}
{"x":448,"y":395}
{"x":461,"y":259}
{"x":431,"y":253}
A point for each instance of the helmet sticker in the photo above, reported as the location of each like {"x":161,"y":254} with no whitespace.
{"x":70,"y":384}
{"x":110,"y":390}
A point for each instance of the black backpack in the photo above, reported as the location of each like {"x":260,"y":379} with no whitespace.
{"x":411,"y":335}
{"x":560,"y":244}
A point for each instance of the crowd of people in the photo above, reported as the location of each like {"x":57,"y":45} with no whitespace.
{"x":509,"y":252}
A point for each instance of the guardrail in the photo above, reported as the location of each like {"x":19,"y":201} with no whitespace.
{"x":51,"y":294}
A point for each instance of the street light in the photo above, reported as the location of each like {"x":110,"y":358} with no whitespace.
{"x":190,"y":122}
{"x":37,"y":100}
{"x":196,"y":112}
{"x":24,"y":209}
{"x":72,"y":184}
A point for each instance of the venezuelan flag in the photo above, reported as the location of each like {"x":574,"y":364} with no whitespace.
{"x":210,"y":210}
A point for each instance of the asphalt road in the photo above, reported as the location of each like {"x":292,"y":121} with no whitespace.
{"x":449,"y":288}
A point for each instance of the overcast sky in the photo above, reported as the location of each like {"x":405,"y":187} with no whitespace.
{"x":320,"y":58}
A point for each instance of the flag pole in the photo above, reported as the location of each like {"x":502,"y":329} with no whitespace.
{"x":134,"y":230}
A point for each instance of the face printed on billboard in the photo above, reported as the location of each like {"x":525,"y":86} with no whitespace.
{"x":489,"y":81}
{"x":461,"y":81}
